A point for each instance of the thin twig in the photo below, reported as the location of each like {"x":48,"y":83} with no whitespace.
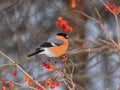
{"x":105,"y":31}
{"x":100,"y":19}
{"x":72,"y":67}
{"x":7,"y":20}
{"x":106,"y":6}
{"x":117,"y":30}
{"x":106,"y":42}
{"x":21,"y":85}
{"x":67,"y":67}
{"x":9,"y":64}
{"x":66,"y":83}
{"x":101,"y":25}
{"x":79,"y":50}
{"x":18,"y":66}
{"x":84,"y":14}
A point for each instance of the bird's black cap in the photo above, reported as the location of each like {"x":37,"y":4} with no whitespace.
{"x":62,"y":34}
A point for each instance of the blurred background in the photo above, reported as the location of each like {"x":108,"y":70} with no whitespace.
{"x":25,"y":24}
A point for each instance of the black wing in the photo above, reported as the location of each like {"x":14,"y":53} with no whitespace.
{"x":47,"y":44}
{"x":36,"y":52}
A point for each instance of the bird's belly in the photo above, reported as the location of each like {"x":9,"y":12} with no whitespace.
{"x":48,"y":53}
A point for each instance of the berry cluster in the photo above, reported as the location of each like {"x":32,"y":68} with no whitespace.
{"x":49,"y":66}
{"x":112,"y":6}
{"x":52,"y":83}
{"x":6,"y":85}
{"x":63,"y":24}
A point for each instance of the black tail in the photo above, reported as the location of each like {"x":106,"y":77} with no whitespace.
{"x":34,"y":53}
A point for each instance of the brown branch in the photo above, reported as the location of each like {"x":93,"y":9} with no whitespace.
{"x":117,"y":30}
{"x":107,"y":7}
{"x":18,"y":66}
{"x":7,"y":20}
{"x":101,"y":25}
{"x":79,"y":50}
{"x":18,"y":84}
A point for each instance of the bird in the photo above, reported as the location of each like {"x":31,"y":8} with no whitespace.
{"x":55,"y":46}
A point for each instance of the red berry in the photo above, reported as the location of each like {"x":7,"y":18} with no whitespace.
{"x":14,"y":73}
{"x":84,"y":45}
{"x":57,"y":24}
{"x":4,"y":88}
{"x":3,"y":80}
{"x":58,"y":84}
